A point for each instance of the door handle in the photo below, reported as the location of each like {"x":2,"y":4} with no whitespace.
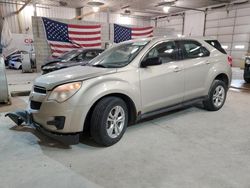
{"x":207,"y":62}
{"x":177,"y":69}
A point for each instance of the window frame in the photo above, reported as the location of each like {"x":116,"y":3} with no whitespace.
{"x":177,"y":50}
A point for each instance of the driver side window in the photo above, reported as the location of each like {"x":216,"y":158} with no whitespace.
{"x":78,"y":58}
{"x":166,"y":52}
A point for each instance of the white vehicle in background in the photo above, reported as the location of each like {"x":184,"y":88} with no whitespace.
{"x":128,"y":82}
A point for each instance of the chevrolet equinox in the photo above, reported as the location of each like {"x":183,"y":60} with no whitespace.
{"x":128,"y":82}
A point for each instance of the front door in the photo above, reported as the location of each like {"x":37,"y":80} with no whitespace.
{"x":162,"y":85}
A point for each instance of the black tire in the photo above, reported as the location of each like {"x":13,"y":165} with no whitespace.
{"x":247,"y":80}
{"x":209,"y":103}
{"x":98,"y":126}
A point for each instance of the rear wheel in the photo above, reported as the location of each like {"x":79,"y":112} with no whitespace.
{"x":216,"y":96}
{"x":109,"y":121}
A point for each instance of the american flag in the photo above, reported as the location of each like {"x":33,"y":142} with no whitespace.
{"x":122,"y":33}
{"x":65,"y":37}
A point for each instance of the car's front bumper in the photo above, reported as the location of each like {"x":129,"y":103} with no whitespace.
{"x":26,"y":117}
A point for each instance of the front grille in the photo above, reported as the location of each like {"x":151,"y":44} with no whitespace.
{"x":35,"y":105}
{"x":39,"y":89}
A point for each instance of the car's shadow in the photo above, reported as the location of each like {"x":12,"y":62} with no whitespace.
{"x":43,"y":139}
{"x":85,"y":137}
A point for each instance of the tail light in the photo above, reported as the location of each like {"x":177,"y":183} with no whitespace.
{"x":230,"y":60}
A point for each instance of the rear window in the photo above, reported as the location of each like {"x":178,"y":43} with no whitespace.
{"x":217,"y":45}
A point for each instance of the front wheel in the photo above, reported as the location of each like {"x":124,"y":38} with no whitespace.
{"x":216,"y":96}
{"x":109,"y":121}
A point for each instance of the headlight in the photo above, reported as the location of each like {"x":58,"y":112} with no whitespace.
{"x":64,"y":92}
{"x":248,"y":61}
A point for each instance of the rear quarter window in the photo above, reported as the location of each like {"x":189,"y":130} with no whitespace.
{"x":193,"y":49}
{"x":217,"y":45}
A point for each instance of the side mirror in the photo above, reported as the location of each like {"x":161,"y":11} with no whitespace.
{"x":151,"y":62}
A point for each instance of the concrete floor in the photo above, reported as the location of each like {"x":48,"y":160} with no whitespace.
{"x":187,"y":148}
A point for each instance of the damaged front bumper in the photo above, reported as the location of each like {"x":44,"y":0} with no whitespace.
{"x":20,"y":117}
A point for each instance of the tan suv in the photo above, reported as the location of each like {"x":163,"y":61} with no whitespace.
{"x":128,"y":82}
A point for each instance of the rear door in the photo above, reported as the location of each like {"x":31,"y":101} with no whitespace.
{"x":196,"y":66}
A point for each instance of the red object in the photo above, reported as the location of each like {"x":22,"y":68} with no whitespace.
{"x":230,"y":60}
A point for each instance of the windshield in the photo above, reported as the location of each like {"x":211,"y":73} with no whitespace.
{"x":119,"y":56}
{"x":69,"y":55}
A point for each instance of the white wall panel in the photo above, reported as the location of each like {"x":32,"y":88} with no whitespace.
{"x":238,"y":54}
{"x":241,"y":29}
{"x":194,"y":23}
{"x":6,"y":10}
{"x":241,"y":37}
{"x":226,"y":22}
{"x":174,"y":23}
{"x":211,"y":31}
{"x":215,"y":15}
{"x":225,"y":38}
{"x":243,"y":20}
{"x":212,"y":23}
{"x":244,"y":12}
{"x":245,"y":44}
{"x":56,"y":12}
{"x":225,"y":30}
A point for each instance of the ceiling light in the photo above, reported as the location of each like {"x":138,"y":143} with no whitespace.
{"x":224,"y":47}
{"x":96,"y":9}
{"x":239,"y":47}
{"x":166,"y":9}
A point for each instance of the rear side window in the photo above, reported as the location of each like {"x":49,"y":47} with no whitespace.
{"x":193,"y":49}
{"x":217,"y":45}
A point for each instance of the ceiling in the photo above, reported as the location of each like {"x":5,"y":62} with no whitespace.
{"x":146,"y":8}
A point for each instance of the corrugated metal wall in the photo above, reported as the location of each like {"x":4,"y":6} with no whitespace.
{"x":26,"y":14}
{"x":175,"y":23}
{"x":7,"y":9}
{"x":102,"y":17}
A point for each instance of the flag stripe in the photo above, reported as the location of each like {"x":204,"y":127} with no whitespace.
{"x":138,"y":37}
{"x":91,"y":45}
{"x":143,"y":31}
{"x":85,"y":36}
{"x":84,"y":39}
{"x":85,"y":30}
{"x":88,"y":42}
{"x":141,"y":28}
{"x":83,"y":33}
{"x":142,"y":34}
{"x":85,"y":26}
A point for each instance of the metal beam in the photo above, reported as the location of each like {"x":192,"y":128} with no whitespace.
{"x":187,"y":8}
{"x":24,"y":5}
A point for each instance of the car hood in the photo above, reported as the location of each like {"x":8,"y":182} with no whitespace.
{"x":76,"y":73}
{"x":59,"y":65}
{"x":51,"y":61}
